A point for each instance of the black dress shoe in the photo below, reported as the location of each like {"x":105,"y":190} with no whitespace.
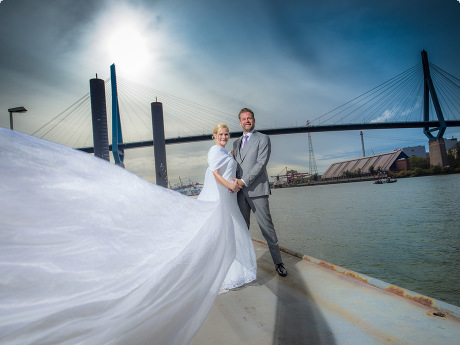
{"x":281,"y":270}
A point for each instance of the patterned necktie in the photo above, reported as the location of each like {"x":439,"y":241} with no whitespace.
{"x":245,"y":141}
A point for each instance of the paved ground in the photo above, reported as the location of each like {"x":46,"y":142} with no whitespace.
{"x":314,"y":305}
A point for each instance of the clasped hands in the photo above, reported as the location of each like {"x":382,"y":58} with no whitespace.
{"x":236,"y":185}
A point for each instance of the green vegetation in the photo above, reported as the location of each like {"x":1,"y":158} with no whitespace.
{"x":453,"y":155}
{"x":421,"y":167}
{"x":372,"y":170}
{"x":419,"y":162}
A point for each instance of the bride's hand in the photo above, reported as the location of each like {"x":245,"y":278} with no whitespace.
{"x":240,"y":182}
{"x":235,"y":187}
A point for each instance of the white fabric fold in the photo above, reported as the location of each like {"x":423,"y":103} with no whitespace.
{"x":92,"y":254}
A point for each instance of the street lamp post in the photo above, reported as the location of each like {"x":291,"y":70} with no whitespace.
{"x":15,"y":110}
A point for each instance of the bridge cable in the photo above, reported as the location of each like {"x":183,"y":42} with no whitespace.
{"x":367,"y":94}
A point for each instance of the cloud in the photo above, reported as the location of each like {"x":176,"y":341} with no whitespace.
{"x":290,"y":62}
{"x":386,"y":116}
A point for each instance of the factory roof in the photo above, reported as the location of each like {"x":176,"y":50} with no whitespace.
{"x":383,"y":161}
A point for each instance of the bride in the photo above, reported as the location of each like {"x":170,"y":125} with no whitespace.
{"x":90,"y":253}
{"x":220,"y":184}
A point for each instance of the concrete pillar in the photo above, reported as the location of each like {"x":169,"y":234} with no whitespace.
{"x":438,"y":154}
{"x":159,"y":147}
{"x":99,"y":116}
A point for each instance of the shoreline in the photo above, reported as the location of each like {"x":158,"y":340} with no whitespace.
{"x":347,"y":180}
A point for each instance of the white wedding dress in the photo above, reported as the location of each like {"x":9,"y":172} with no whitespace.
{"x":92,"y":254}
{"x":244,"y":268}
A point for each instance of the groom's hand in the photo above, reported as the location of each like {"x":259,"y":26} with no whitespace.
{"x":236,"y":186}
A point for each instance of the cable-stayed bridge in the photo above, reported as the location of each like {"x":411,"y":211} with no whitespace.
{"x":396,"y":103}
{"x":423,"y":96}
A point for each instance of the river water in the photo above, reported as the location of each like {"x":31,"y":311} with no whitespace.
{"x":405,"y":233}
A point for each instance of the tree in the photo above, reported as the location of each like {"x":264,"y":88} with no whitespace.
{"x":419,"y":162}
{"x":372,"y":170}
{"x":453,"y":157}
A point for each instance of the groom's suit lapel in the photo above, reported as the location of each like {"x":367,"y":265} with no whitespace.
{"x":250,"y":144}
{"x":238,"y":146}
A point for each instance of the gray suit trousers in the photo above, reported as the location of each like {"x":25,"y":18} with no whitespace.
{"x":260,"y":207}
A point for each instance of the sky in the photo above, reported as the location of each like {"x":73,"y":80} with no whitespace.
{"x":288,"y":61}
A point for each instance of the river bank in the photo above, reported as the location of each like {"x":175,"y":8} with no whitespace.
{"x":345,"y":180}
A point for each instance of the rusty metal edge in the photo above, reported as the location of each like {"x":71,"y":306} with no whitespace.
{"x":394,"y":289}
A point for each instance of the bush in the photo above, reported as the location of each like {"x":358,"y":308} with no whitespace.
{"x":435,"y":169}
{"x":404,"y":173}
{"x":419,"y":162}
{"x":446,"y":170}
{"x":417,"y":171}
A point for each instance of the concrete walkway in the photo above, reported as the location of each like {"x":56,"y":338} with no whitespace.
{"x":316,"y":305}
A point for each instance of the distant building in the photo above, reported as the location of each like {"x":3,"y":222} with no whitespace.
{"x":451,"y":143}
{"x":420,"y":149}
{"x":415,"y":151}
{"x":391,"y":161}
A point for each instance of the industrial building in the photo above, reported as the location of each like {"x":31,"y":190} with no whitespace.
{"x":421,"y":152}
{"x":451,"y":143}
{"x":390,"y":161}
{"x":415,"y":151}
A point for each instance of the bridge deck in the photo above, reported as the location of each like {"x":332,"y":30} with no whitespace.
{"x":316,"y":305}
{"x":289,"y":130}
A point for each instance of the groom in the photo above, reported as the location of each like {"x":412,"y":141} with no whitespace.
{"x":252,"y":152}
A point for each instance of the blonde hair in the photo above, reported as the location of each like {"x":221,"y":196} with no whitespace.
{"x":218,"y":128}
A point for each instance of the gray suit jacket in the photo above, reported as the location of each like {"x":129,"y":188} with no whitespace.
{"x":252,"y":164}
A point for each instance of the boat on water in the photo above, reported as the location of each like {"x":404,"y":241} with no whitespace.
{"x":388,"y":180}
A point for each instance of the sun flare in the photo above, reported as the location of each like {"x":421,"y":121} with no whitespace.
{"x":127,"y":47}
{"x":135,"y":40}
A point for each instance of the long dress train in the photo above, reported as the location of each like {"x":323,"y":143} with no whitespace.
{"x":244,"y":268}
{"x":92,"y":254}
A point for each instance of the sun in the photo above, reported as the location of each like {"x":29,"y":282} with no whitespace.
{"x":132,"y":38}
{"x":128,"y":48}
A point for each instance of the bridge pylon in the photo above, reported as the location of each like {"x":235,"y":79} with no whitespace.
{"x":437,"y":147}
{"x":117,"y":137}
{"x":159,"y":148}
{"x":99,"y":118}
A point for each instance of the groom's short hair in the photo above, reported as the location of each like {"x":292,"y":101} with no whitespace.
{"x":246,"y":110}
